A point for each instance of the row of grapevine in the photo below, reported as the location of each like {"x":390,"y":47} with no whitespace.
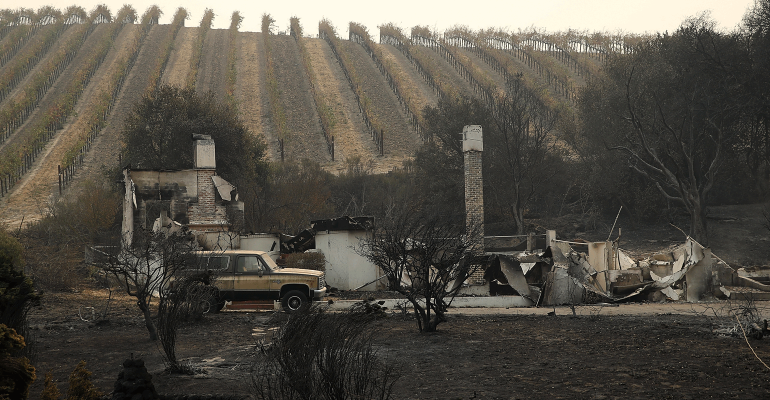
{"x":167,"y":46}
{"x":16,"y":111}
{"x":232,"y":57}
{"x":358,"y":34}
{"x":325,"y":113}
{"x":480,"y":84}
{"x":559,"y":85}
{"x":390,"y":34}
{"x":197,"y":50}
{"x":504,"y":67}
{"x":28,"y":58}
{"x":583,"y":47}
{"x":75,"y":156}
{"x":597,"y":45}
{"x":501,"y":64}
{"x":276,"y":106}
{"x":547,"y":54}
{"x":16,"y":160}
{"x":492,"y":56}
{"x":376,"y":129}
{"x":561,"y":55}
{"x":16,"y":41}
{"x":96,"y":117}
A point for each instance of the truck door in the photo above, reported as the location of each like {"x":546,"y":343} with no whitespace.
{"x":220,"y":268}
{"x":251,"y":281}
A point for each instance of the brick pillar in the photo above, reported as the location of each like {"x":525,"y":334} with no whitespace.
{"x":474,"y":193}
{"x":206,"y":195}
{"x":473,"y":148}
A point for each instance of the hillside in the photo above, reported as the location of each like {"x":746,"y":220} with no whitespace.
{"x":385,"y":91}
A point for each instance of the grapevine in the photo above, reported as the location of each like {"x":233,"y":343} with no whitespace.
{"x":405,"y":96}
{"x":323,"y":109}
{"x":327,"y":32}
{"x":205,"y":26}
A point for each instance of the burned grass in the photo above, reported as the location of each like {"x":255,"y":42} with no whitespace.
{"x":598,"y":355}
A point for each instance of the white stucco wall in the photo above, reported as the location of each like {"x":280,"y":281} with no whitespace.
{"x":346,"y":269}
{"x":268,"y":242}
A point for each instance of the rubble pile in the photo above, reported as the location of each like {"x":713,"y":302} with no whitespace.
{"x":562,"y":275}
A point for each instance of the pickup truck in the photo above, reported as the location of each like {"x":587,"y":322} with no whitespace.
{"x":245,"y":275}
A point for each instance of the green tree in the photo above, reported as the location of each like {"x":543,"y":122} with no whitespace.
{"x":521,"y":152}
{"x":158,"y":133}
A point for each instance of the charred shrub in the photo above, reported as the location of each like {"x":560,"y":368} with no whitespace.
{"x":81,"y":386}
{"x":189,"y":300}
{"x":17,"y":291}
{"x":50,"y":390}
{"x":322,"y":355}
{"x":315,"y":261}
{"x":16,"y":373}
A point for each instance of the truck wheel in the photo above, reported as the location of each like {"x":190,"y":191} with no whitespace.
{"x":293,"y":300}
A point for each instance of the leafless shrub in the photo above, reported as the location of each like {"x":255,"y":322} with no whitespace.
{"x":188,"y":301}
{"x":426,"y":257}
{"x":319,"y":355}
{"x":54,"y":245}
{"x":55,"y":269}
{"x":370,"y":307}
{"x":730,"y":317}
{"x":148,"y":265}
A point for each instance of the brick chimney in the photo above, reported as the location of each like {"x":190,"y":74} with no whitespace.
{"x":206,"y":167}
{"x":473,"y":147}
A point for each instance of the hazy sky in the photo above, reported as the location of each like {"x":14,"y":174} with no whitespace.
{"x":551,"y":15}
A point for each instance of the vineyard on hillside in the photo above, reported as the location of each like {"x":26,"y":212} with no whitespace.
{"x":69,"y":78}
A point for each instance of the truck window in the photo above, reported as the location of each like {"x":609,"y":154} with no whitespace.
{"x":218,"y":263}
{"x":213,"y":263}
{"x":250,"y":264}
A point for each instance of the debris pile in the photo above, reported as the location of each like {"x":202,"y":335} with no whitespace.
{"x":562,"y":275}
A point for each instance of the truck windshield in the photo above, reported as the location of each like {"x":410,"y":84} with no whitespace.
{"x":270,"y":263}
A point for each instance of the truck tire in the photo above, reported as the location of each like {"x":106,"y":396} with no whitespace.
{"x":293,"y":301}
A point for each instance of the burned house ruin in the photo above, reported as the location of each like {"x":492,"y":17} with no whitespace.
{"x":196,"y":198}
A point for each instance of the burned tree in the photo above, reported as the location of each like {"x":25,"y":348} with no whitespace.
{"x":426,"y":257}
{"x":672,"y":107}
{"x":522,"y":151}
{"x":147,"y":265}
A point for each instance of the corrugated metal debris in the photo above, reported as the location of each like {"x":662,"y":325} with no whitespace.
{"x":562,"y":275}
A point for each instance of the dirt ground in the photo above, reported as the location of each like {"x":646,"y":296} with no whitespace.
{"x":639,"y":350}
{"x":632,"y":351}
